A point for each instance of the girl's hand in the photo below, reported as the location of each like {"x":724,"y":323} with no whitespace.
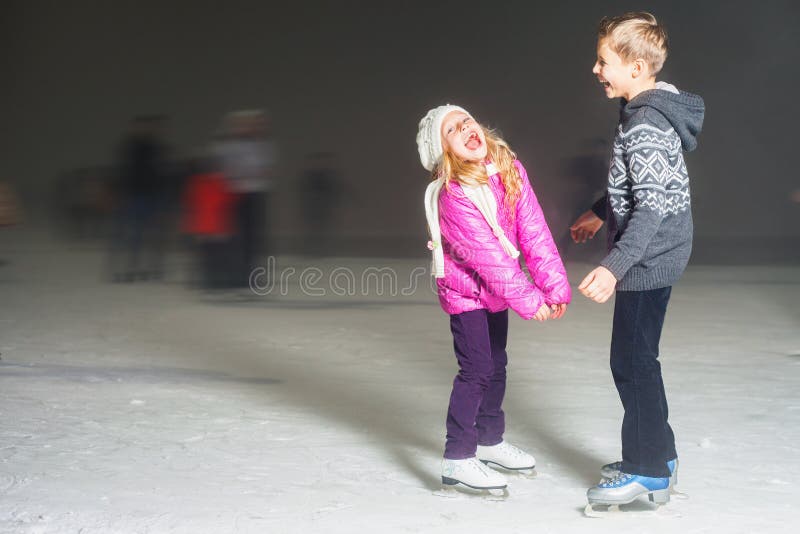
{"x":558,"y":310}
{"x":543,"y":314}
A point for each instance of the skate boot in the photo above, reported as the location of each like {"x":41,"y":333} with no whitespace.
{"x":625,"y":488}
{"x":507,"y":456}
{"x":472,"y":474}
{"x":611,"y":470}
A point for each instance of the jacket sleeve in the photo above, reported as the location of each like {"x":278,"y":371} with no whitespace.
{"x":648,"y":167}
{"x":470,"y":242}
{"x":537,"y":246}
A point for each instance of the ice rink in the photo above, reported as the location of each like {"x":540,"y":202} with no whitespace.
{"x":154,"y":407}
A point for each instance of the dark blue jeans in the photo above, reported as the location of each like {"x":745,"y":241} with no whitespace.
{"x":475,"y":415}
{"x":647,"y":439}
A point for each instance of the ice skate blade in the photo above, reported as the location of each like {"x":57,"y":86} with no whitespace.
{"x":613,"y":511}
{"x":528,"y":472}
{"x":675,"y":494}
{"x":461,"y":491}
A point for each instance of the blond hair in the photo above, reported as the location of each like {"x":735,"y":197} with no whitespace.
{"x":470,"y":172}
{"x":636,"y":35}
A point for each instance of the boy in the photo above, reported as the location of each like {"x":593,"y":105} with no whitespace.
{"x":647,"y":209}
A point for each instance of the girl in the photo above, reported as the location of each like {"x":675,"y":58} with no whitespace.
{"x":481,"y":214}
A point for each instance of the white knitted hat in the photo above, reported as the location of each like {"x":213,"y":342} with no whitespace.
{"x":429,"y":136}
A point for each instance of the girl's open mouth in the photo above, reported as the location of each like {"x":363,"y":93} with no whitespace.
{"x":473,"y":141}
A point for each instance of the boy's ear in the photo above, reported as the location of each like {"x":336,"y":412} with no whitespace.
{"x":640,"y":68}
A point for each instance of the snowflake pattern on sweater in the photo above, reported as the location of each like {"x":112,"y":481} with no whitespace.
{"x":648,"y":165}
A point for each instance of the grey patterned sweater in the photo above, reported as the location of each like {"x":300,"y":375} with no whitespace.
{"x":648,"y":206}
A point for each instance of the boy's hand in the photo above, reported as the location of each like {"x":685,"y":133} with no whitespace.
{"x":543,"y":314}
{"x":558,"y":310}
{"x":585,"y":227}
{"x":598,"y":285}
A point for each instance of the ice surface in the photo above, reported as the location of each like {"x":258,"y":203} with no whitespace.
{"x":156,"y":408}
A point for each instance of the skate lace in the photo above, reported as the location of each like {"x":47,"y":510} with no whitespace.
{"x":476,"y":465}
{"x":452,"y":469}
{"x":617,"y":480}
{"x":516,"y":451}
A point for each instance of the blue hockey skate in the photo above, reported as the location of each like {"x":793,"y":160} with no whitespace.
{"x":626,"y":488}
{"x":613,"y":469}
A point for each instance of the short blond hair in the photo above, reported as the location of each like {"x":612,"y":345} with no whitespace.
{"x":636,"y":35}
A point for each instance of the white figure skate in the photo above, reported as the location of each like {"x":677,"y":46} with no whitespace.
{"x":509,"y":457}
{"x":472,"y":476}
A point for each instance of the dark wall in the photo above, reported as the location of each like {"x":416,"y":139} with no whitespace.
{"x":355,"y":77}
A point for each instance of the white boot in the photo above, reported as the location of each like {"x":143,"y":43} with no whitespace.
{"x":507,"y":456}
{"x":471,"y":473}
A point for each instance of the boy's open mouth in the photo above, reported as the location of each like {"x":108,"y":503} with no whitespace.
{"x":473,"y":141}
{"x":604,"y":83}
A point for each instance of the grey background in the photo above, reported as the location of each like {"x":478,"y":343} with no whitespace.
{"x":354,"y":78}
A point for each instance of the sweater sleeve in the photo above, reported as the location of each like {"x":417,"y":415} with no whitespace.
{"x":537,"y":246}
{"x":472,"y":243}
{"x":648,"y":167}
{"x":599,"y":207}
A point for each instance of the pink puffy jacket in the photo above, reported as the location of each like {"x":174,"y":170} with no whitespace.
{"x":479,"y":274}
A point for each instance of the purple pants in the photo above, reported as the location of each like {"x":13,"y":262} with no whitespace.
{"x":474,"y":416}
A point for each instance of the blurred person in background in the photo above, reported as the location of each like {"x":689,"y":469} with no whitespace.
{"x":9,"y":207}
{"x":208,"y":219}
{"x":137,"y":252}
{"x":320,"y":196}
{"x":83,"y":199}
{"x":247,"y":157}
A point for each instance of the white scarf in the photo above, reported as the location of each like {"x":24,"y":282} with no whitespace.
{"x":482,"y":197}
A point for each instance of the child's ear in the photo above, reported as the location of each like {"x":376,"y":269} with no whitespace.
{"x":639,"y":68}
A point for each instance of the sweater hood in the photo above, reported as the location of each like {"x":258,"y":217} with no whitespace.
{"x":684,"y":111}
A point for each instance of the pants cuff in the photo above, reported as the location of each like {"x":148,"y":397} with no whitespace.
{"x":646,"y":470}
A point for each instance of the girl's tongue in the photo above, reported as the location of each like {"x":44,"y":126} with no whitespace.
{"x":473,"y":142}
